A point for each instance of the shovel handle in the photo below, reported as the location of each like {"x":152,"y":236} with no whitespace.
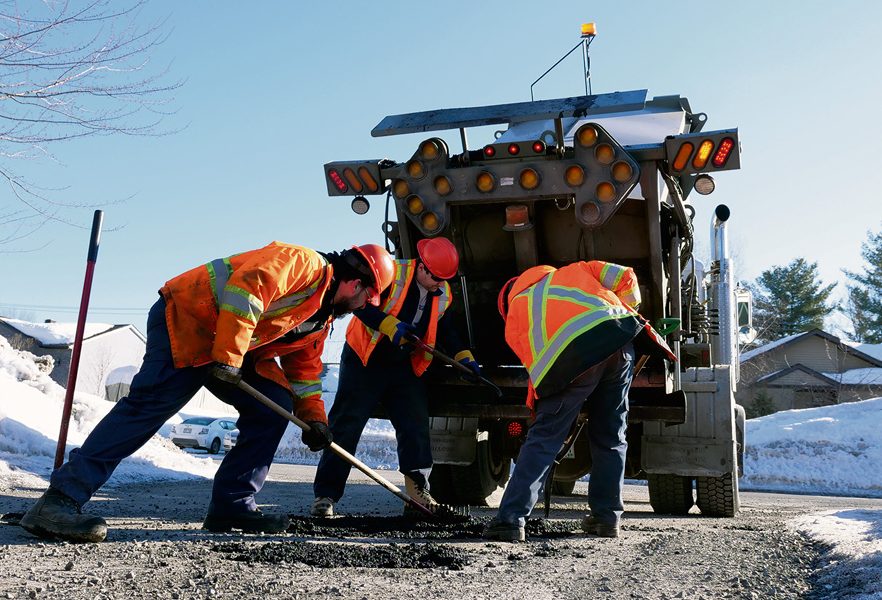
{"x":335,"y":448}
{"x":456,"y":365}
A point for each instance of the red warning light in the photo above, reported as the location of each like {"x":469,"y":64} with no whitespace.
{"x":515,"y":429}
{"x":723,"y":152}
{"x":539,"y":147}
{"x":338,"y":181}
{"x":489,"y":151}
{"x":514,"y":149}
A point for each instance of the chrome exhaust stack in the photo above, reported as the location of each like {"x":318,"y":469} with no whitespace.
{"x":722,"y":293}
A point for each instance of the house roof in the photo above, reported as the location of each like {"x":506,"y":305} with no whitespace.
{"x":852,"y":377}
{"x":61,"y":335}
{"x":872,"y":353}
{"x":821,"y":377}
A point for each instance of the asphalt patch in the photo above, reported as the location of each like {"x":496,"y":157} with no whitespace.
{"x":330,"y":555}
{"x":404,"y":528}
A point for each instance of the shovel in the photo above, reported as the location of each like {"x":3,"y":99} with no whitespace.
{"x":336,"y":449}
{"x":411,"y":338}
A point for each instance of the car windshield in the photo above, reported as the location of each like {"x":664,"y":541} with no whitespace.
{"x":198,"y":421}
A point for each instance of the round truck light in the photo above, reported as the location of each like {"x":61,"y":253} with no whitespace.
{"x":415,"y":169}
{"x":430,"y":150}
{"x":529,"y":179}
{"x":360,"y":205}
{"x":485,"y":182}
{"x":429,"y":221}
{"x":605,"y":191}
{"x":442,"y":185}
{"x":400,"y":189}
{"x":574,"y":175}
{"x":514,"y":149}
{"x":604,"y":154}
{"x":415,"y":205}
{"x":586,"y":136}
{"x":622,"y":171}
{"x":489,"y":151}
{"x":704,"y":184}
{"x":539,"y":147}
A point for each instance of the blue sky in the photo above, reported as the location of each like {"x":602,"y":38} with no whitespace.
{"x":273,"y":90}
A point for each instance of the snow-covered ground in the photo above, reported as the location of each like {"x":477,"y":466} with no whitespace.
{"x":828,"y":450}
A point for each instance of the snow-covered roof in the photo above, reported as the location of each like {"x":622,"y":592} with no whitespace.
{"x":869,"y":376}
{"x":50,"y":334}
{"x":874,"y":350}
{"x":770,"y":346}
{"x":872,"y":353}
{"x":63,"y":334}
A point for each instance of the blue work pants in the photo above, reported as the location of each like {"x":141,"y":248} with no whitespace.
{"x":605,"y":386}
{"x":158,"y":391}
{"x":360,"y":390}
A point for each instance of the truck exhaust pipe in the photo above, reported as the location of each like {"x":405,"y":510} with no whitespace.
{"x":722,"y":290}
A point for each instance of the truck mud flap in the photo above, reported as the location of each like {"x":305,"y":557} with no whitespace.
{"x":453,"y":440}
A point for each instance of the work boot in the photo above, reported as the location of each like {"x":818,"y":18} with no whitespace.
{"x":504,"y":532}
{"x":421,"y":494}
{"x":250,"y":521}
{"x":56,"y":515}
{"x":322,"y":507}
{"x":594,"y":527}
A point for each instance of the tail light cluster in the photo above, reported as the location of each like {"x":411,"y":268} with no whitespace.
{"x":597,"y":172}
{"x":703,"y":152}
{"x":352,"y":178}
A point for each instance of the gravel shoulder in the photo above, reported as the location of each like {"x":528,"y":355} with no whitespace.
{"x":156,"y":549}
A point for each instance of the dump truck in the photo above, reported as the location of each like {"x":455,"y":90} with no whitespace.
{"x":601,"y":176}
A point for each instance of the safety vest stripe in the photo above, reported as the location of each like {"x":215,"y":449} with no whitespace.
{"x":306,"y":387}
{"x":241,"y":303}
{"x":572,"y":329}
{"x":277,"y":307}
{"x":219,"y":271}
{"x":611,"y":276}
{"x":578,"y":296}
{"x":535,"y":298}
{"x":398,"y":281}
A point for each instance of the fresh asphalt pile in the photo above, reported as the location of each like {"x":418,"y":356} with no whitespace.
{"x":335,"y":555}
{"x":391,"y":555}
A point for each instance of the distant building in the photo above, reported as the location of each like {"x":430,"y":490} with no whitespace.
{"x":809,"y":369}
{"x":105,"y":349}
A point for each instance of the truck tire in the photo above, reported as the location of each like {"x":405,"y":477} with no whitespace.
{"x":670,"y":494}
{"x":471,"y":484}
{"x":718,"y":496}
{"x":215,"y":446}
{"x":562,"y":488}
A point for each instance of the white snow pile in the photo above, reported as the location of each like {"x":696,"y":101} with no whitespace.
{"x":30,"y":416}
{"x":826,"y":450}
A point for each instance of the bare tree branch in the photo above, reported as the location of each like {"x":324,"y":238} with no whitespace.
{"x":70,"y":70}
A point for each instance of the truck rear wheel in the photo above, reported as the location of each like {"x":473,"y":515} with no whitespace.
{"x":562,"y":488}
{"x":670,"y":494}
{"x":718,"y":496}
{"x":471,"y":484}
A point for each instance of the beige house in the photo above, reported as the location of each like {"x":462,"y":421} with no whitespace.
{"x":809,"y":369}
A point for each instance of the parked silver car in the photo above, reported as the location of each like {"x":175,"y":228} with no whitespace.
{"x":205,"y":432}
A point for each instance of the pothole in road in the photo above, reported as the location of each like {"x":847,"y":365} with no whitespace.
{"x":434,"y":554}
{"x":329,"y":555}
{"x":404,"y":528}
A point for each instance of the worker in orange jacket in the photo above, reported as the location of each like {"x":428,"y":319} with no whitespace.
{"x":574,"y":329}
{"x":377,"y":366}
{"x":262,"y":315}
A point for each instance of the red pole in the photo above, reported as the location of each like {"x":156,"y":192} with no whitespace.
{"x":78,"y":338}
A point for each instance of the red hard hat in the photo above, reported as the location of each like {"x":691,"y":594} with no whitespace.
{"x":502,"y":300}
{"x":381,"y":265}
{"x":440,"y":256}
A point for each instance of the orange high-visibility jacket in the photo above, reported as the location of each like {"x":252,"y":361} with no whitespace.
{"x":563,"y":321}
{"x":362,"y":339}
{"x":243,"y":303}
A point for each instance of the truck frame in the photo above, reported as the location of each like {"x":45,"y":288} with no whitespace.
{"x":604,"y":177}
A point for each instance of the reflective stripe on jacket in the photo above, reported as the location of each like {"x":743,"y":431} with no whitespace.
{"x":563,"y":321}
{"x":230,"y":306}
{"x":363,"y":339}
